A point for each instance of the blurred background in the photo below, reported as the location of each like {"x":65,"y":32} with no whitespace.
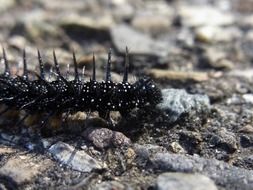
{"x":206,"y":38}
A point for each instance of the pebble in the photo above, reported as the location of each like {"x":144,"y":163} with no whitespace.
{"x":109,"y":185}
{"x":201,"y":15}
{"x":248,"y":98}
{"x":122,"y":11}
{"x":246,"y":141}
{"x":217,"y":59}
{"x":75,"y":159}
{"x":6,"y":150}
{"x":5,"y":5}
{"x":246,"y":129}
{"x":138,"y":42}
{"x":177,"y":102}
{"x":105,"y":138}
{"x":17,"y":41}
{"x":183,"y":181}
{"x":247,"y":21}
{"x":245,"y":73}
{"x":64,"y":5}
{"x":179,"y":75}
{"x":82,"y":23}
{"x":220,"y":172}
{"x":24,"y":168}
{"x":151,"y":23}
{"x":175,"y":147}
{"x":225,"y":140}
{"x":214,"y":34}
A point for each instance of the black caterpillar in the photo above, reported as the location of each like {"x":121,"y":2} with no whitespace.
{"x":62,"y":95}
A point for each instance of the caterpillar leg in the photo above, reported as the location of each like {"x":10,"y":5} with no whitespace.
{"x":4,"y":110}
{"x":104,"y":114}
{"x":124,"y":113}
{"x":17,"y":124}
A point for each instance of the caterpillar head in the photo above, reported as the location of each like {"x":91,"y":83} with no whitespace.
{"x":148,"y":90}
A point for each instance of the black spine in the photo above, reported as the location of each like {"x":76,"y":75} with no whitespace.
{"x":94,"y":68}
{"x":6,"y":63}
{"x":56,"y":65}
{"x":42,"y":72}
{"x":75,"y":67}
{"x":108,"y":66}
{"x":25,"y":71}
{"x":125,"y":77}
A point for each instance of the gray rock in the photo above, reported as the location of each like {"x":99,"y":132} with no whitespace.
{"x":138,"y":43}
{"x":194,"y":16}
{"x":24,"y":168}
{"x":217,"y":59}
{"x":182,"y":181}
{"x":9,"y":139}
{"x":246,"y":141}
{"x":122,"y":10}
{"x":82,"y":23}
{"x":177,"y":102}
{"x":108,"y":185}
{"x":5,"y":5}
{"x":213,"y":34}
{"x":225,"y":175}
{"x":151,"y":24}
{"x":245,"y":73}
{"x":64,"y":5}
{"x":248,"y":98}
{"x":225,"y":140}
{"x":104,"y":138}
{"x":77,"y":160}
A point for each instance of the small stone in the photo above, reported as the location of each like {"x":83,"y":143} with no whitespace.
{"x":9,"y":139}
{"x":151,"y":23}
{"x":190,"y":140}
{"x":179,"y":75}
{"x":246,"y":141}
{"x":6,"y":150}
{"x":144,"y":151}
{"x":217,"y":59}
{"x":34,"y":25}
{"x":5,"y":5}
{"x":138,"y":43}
{"x":218,"y":171}
{"x":104,"y":138}
{"x":225,"y":140}
{"x":183,"y":181}
{"x":122,"y":11}
{"x":214,"y":34}
{"x":246,"y":129}
{"x":245,"y":73}
{"x":109,"y":185}
{"x":176,"y":102}
{"x":200,"y":15}
{"x":82,"y":23}
{"x":17,"y":42}
{"x":60,"y":5}
{"x":248,"y":98}
{"x":176,"y":147}
{"x":119,"y":140}
{"x":247,"y":21}
{"x":186,"y":38}
{"x":25,"y":168}
{"x":77,"y":160}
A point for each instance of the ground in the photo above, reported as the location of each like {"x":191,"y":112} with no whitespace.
{"x":200,"y":55}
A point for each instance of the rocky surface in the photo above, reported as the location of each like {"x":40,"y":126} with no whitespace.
{"x":177,"y":102}
{"x":184,"y":181}
{"x":220,"y":172}
{"x":198,"y":52}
